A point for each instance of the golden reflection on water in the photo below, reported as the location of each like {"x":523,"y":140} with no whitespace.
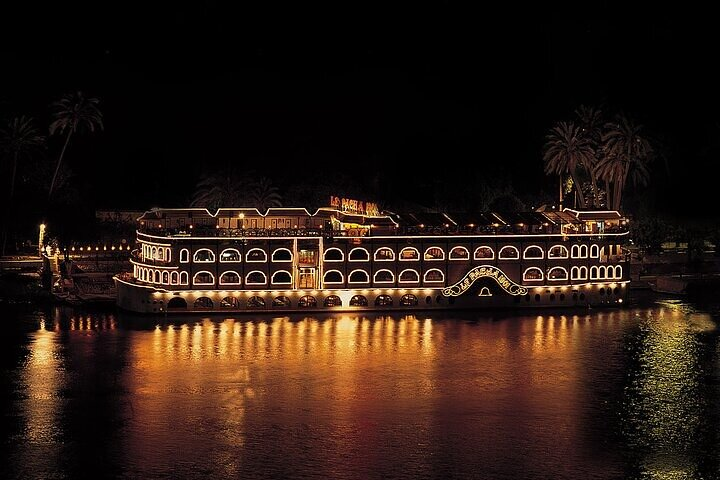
{"x":409,"y":392}
{"x":665,"y":404}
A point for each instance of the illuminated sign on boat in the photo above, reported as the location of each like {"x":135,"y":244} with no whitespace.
{"x":482,"y":271}
{"x":349,"y":205}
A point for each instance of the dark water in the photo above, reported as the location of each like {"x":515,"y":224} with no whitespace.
{"x":630,"y":393}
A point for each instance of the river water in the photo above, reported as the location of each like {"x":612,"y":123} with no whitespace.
{"x":629,"y":393}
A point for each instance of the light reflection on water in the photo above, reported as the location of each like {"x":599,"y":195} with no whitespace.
{"x":603,"y":394}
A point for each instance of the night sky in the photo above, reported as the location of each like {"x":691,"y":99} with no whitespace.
{"x":293,"y":95}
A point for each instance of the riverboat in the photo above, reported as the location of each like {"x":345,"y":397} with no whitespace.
{"x":351,"y":257}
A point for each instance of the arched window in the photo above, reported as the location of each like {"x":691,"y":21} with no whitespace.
{"x":256,"y":277}
{"x":178,"y":303}
{"x":409,"y":254}
{"x":332,"y":301}
{"x":384,"y":254}
{"x":281,"y":302}
{"x":618,"y":271}
{"x":161,"y":253}
{"x":281,"y":277}
{"x":204,"y":255}
{"x":165,"y":277}
{"x":558,"y":251}
{"x":602,"y":273}
{"x":256,"y":302}
{"x":203,"y":302}
{"x":509,"y":252}
{"x":359,"y":254}
{"x":384,"y":276}
{"x":358,"y":276}
{"x":575,"y":273}
{"x":583,"y":251}
{"x":484,"y":253}
{"x":583,"y":273}
{"x":334,"y":254}
{"x":174,"y":278}
{"x":408,"y":300}
{"x":229,"y":302}
{"x":230,"y":278}
{"x":575,"y":251}
{"x":203,"y":278}
{"x":594,"y":251}
{"x":230,"y":255}
{"x":167,"y":254}
{"x":308,"y":301}
{"x":256,"y":255}
{"x":282,"y":255}
{"x":532,"y":273}
{"x":434,"y":253}
{"x":183,"y":278}
{"x":156,"y":279}
{"x":358,"y":301}
{"x":459,"y":253}
{"x":333,"y":277}
{"x":533,"y":251}
{"x":593,"y":273}
{"x":383,"y":301}
{"x":557,"y":273}
{"x":184,"y":255}
{"x":409,"y":276}
{"x":153,"y":252}
{"x":434,"y":276}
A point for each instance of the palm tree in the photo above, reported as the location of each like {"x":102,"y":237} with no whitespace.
{"x":626,"y":153}
{"x":225,"y":188}
{"x":591,"y":122}
{"x":263,"y":195}
{"x":73,"y":113}
{"x":19,"y":138}
{"x":566,"y":148}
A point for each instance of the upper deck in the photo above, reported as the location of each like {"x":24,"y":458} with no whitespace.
{"x":299,"y":222}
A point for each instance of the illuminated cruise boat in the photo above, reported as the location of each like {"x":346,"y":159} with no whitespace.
{"x":350,"y":257}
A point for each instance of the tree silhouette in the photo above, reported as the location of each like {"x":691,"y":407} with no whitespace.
{"x":73,"y":113}
{"x":566,"y":149}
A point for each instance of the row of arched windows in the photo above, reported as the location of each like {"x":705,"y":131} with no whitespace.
{"x":508,"y":252}
{"x":153,"y":252}
{"x":383,"y":254}
{"x":383,"y":276}
{"x":307,"y":301}
{"x":233,"y":255}
{"x":576,"y":273}
{"x":205,"y":278}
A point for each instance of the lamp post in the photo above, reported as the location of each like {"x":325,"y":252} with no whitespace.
{"x":41,"y":239}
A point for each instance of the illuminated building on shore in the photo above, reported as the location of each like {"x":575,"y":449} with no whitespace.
{"x":351,"y":257}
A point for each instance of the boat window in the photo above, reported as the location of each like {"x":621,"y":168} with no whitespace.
{"x":509,"y":252}
{"x":281,"y":301}
{"x":229,"y":302}
{"x":533,"y":251}
{"x":256,"y":302}
{"x":434,"y":253}
{"x":558,"y":251}
{"x":384,"y":254}
{"x":409,"y":253}
{"x":557,"y":273}
{"x":383,"y":301}
{"x":408,"y":300}
{"x":203,"y":278}
{"x":256,"y":255}
{"x":332,"y":301}
{"x":384,"y":276}
{"x":333,"y":277}
{"x":307,"y":301}
{"x":484,"y":253}
{"x":358,"y":276}
{"x":282,"y":255}
{"x":203,"y":302}
{"x":459,"y":253}
{"x":334,"y":255}
{"x":230,"y":278}
{"x":256,"y":277}
{"x":533,"y":273}
{"x":434,"y":276}
{"x":204,"y":255}
{"x":409,"y":276}
{"x":229,"y":255}
{"x":359,"y":254}
{"x":281,"y":277}
{"x":358,"y":301}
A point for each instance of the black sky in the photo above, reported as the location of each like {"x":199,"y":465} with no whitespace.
{"x":297,"y":94}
